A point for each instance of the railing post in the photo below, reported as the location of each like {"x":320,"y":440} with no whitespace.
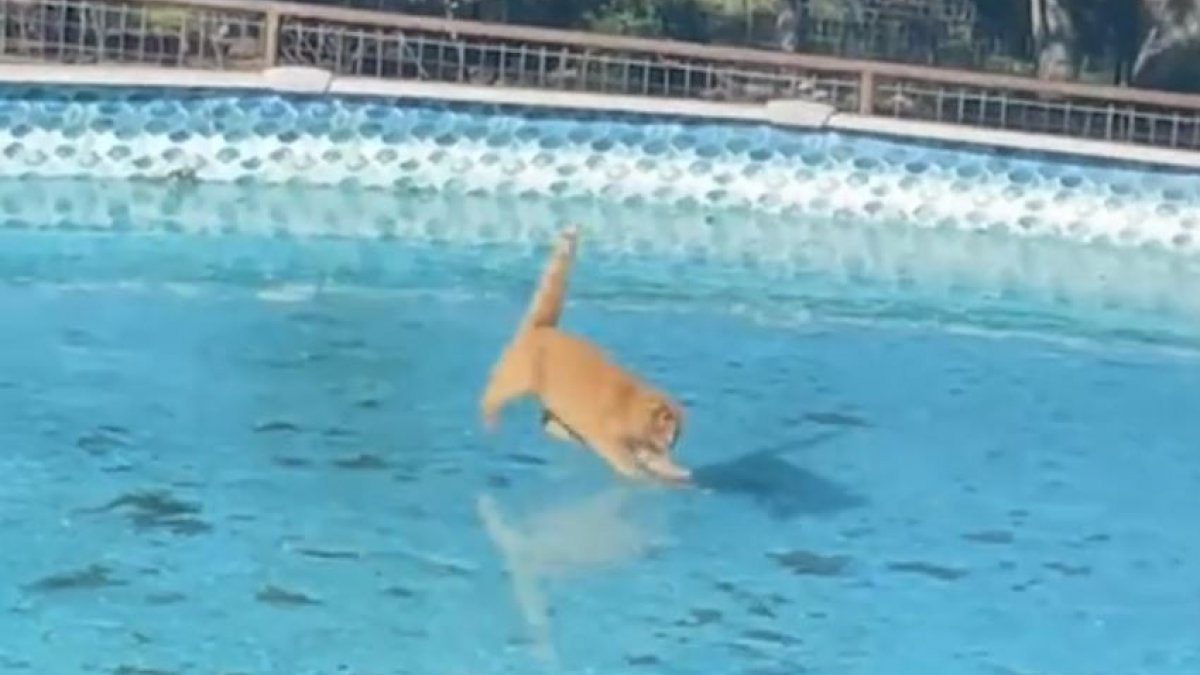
{"x":271,"y":48}
{"x":866,"y":92}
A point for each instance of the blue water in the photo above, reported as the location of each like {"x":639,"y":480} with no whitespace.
{"x":239,"y":419}
{"x":212,"y":476}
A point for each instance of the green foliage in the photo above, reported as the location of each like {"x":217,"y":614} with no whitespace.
{"x":737,"y":7}
{"x":627,"y":17}
{"x":995,"y":37}
{"x":678,"y":19}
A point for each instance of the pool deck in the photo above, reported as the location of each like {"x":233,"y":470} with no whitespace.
{"x":791,"y":113}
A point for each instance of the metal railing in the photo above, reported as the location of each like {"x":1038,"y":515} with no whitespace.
{"x":252,"y":34}
{"x":164,"y":34}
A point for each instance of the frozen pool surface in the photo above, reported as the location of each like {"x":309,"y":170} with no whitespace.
{"x":941,"y":403}
{"x":215,"y":478}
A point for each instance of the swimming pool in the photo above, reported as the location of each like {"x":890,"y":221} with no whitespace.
{"x":940,"y":400}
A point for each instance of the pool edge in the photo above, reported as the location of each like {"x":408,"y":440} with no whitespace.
{"x":784,"y":113}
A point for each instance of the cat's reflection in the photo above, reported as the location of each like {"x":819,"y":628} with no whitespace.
{"x":561,"y":540}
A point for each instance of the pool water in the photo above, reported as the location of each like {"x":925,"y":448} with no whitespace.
{"x":940,"y":400}
{"x":259,"y":453}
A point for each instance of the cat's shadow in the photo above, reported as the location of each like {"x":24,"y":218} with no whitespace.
{"x":779,"y":487}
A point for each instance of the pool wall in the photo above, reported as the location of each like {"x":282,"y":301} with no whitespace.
{"x":959,"y":226}
{"x":793,"y":113}
{"x":282,"y":127}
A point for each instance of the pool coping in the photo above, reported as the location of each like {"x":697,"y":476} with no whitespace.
{"x":786,"y":113}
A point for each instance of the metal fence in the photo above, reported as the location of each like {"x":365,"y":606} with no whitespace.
{"x":143,"y":33}
{"x":934,"y":32}
{"x":251,"y":34}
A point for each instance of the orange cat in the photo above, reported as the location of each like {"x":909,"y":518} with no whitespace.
{"x":585,"y":398}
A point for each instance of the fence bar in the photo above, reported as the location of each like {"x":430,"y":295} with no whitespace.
{"x":250,"y":34}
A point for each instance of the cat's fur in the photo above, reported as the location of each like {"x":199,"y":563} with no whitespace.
{"x":585,"y":397}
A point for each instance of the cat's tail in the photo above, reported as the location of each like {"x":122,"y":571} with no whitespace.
{"x":512,"y":375}
{"x":545,"y":307}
